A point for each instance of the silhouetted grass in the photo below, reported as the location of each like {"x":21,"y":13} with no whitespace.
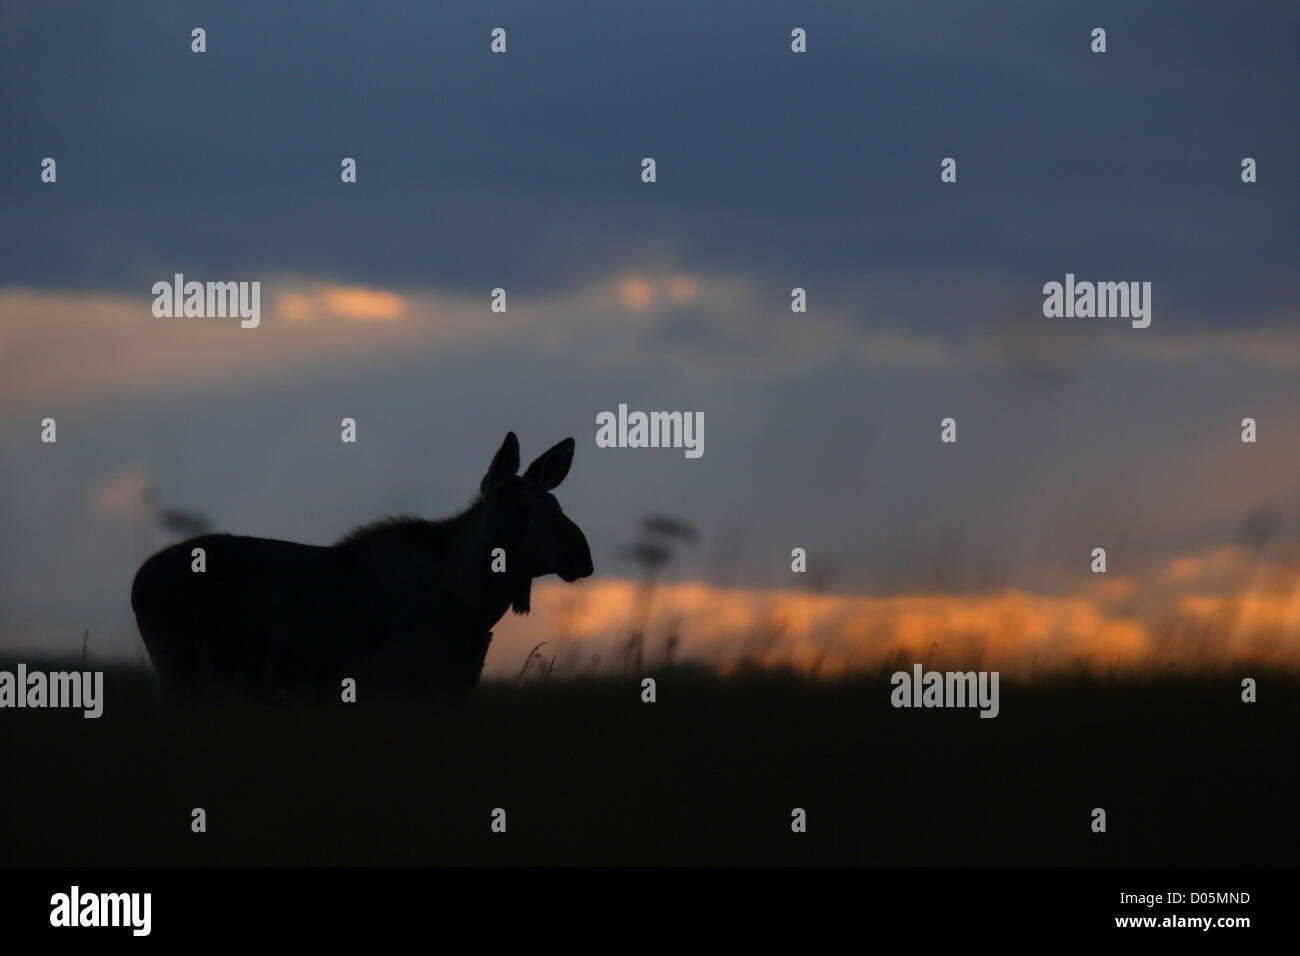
{"x":587,"y":773}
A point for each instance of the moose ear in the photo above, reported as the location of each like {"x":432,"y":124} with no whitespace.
{"x":505,"y":464}
{"x":551,"y":467}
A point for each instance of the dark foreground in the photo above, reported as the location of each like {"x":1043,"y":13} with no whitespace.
{"x":587,"y":773}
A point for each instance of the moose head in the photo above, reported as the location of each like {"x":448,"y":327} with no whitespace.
{"x":525,"y":519}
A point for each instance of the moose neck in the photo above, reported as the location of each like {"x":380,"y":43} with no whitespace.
{"x":472,"y":538}
{"x":453,"y":556}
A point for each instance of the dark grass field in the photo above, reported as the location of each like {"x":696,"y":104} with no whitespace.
{"x":587,"y":773}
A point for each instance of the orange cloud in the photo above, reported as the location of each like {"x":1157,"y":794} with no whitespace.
{"x":295,"y":307}
{"x":358,"y":302}
{"x":60,"y":347}
{"x":635,"y":294}
{"x":1011,"y":630}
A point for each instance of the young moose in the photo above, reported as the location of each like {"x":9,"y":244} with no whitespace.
{"x":402,"y":605}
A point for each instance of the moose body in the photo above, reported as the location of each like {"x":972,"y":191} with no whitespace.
{"x":404,"y":605}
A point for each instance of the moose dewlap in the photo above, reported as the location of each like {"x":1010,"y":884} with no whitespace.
{"x":404,"y":605}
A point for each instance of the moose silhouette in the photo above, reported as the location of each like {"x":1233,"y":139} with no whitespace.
{"x":402,"y":606}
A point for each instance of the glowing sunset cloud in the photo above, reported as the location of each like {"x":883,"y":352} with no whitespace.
{"x":1009,"y":630}
{"x":635,"y":294}
{"x":358,"y":302}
